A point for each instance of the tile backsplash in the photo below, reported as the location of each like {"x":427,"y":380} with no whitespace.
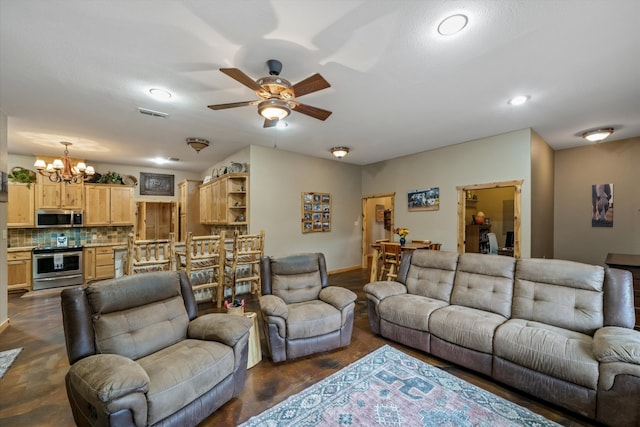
{"x":21,"y":237}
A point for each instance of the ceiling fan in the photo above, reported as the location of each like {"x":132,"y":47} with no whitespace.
{"x":277,"y":95}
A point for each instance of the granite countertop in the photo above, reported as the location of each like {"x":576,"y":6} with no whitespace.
{"x":115,"y":245}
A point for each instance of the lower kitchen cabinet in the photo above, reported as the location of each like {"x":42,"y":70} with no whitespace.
{"x":19,"y":272}
{"x":99,"y":263}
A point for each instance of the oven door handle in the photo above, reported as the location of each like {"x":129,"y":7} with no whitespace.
{"x":48,"y":279}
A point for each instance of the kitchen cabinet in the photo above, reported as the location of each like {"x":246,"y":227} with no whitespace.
{"x":98,"y":262}
{"x":156,"y":220}
{"x":225,"y":200}
{"x":19,"y":272}
{"x":477,"y":238}
{"x":189,"y":210}
{"x":21,"y":205}
{"x":59,"y":195}
{"x":108,"y":205}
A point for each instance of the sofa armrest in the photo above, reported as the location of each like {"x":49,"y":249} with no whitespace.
{"x":384,"y":289}
{"x":272,"y":305}
{"x":225,"y":328}
{"x":614,"y":344}
{"x":337,"y":296}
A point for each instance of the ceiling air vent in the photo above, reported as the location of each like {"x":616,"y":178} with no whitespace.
{"x":153,"y":113}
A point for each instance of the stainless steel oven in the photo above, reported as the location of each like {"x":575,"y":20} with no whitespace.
{"x":55,"y":267}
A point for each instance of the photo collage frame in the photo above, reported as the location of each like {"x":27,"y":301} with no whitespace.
{"x":316,"y":212}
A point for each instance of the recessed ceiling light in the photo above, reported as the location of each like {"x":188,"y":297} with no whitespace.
{"x":597,"y":135}
{"x":160,"y":94}
{"x":452,"y":24}
{"x":518,"y":100}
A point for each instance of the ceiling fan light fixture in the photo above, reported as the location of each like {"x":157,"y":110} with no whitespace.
{"x":197,"y":144}
{"x":273,"y":109}
{"x":597,"y":135}
{"x":340,"y":152}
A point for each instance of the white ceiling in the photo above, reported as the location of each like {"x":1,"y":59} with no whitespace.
{"x":79,"y":70}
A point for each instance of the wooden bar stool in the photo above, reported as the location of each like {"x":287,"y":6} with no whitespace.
{"x":391,"y":254}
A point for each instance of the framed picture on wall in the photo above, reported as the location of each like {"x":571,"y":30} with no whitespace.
{"x":316,"y":212}
{"x":424,"y":200}
{"x":602,"y":205}
{"x":156,"y":184}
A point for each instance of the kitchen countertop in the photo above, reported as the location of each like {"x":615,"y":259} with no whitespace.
{"x":21,"y":249}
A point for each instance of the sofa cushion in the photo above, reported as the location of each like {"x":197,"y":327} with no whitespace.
{"x":296,"y":278}
{"x":484,"y":282}
{"x":431,"y":274}
{"x":312,"y":319}
{"x":557,"y":352}
{"x":410,"y":311}
{"x":562,"y":293}
{"x":466,"y":327}
{"x":183,"y":372}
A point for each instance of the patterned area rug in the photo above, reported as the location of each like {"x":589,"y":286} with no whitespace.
{"x":7,"y":358}
{"x":390,"y":388}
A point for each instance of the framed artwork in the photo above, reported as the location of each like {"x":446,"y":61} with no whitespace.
{"x":379,"y":213}
{"x":602,"y":205}
{"x":316,"y":212}
{"x":424,"y":200}
{"x":156,"y":184}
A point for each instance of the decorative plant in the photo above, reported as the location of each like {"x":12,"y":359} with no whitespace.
{"x":110,"y":178}
{"x":22,"y":175}
{"x":401,"y":231}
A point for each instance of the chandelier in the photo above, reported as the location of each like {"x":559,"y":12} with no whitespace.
{"x":62,"y":171}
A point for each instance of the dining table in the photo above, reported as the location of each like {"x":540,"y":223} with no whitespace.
{"x":377,"y":255}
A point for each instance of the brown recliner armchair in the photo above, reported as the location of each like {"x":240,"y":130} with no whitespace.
{"x":140,"y":356}
{"x":301,"y":314}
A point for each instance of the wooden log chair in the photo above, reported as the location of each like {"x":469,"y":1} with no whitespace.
{"x":242,"y":263}
{"x":391,"y":254}
{"x":203,"y":260}
{"x":144,"y":256}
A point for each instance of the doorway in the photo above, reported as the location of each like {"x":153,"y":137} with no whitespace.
{"x":377,"y":222}
{"x":467,"y":204}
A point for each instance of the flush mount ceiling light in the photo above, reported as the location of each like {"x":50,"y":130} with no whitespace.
{"x":518,"y":100}
{"x":197,"y":144}
{"x":160,"y":94}
{"x":452,"y":24}
{"x":597,"y":135}
{"x":62,"y":171}
{"x":339,"y":152}
{"x":273,"y":109}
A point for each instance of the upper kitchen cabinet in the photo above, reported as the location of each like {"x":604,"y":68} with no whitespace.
{"x":156,"y":220}
{"x":224,"y":200}
{"x":20,"y":205}
{"x":59,"y":195}
{"x":108,"y":205}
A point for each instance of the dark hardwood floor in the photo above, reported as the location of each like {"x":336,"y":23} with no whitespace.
{"x":32,"y":392}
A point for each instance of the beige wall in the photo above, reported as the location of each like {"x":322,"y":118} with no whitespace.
{"x":576,"y":170}
{"x":503,"y":157}
{"x":542,"y":197}
{"x":4,"y":304}
{"x":277,"y":180}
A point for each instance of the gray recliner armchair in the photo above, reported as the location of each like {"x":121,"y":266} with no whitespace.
{"x":301,"y":314}
{"x":140,"y":356}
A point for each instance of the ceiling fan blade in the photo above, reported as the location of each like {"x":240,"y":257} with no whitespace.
{"x":315,"y":112}
{"x":231,"y":105}
{"x":270,"y":123}
{"x":241,"y":77}
{"x":310,"y":84}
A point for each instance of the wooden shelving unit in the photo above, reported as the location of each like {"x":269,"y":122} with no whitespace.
{"x":477,"y":239}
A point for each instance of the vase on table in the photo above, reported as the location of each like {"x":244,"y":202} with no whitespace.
{"x":402,"y":241}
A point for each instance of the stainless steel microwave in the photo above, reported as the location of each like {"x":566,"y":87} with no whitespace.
{"x":58,"y":218}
